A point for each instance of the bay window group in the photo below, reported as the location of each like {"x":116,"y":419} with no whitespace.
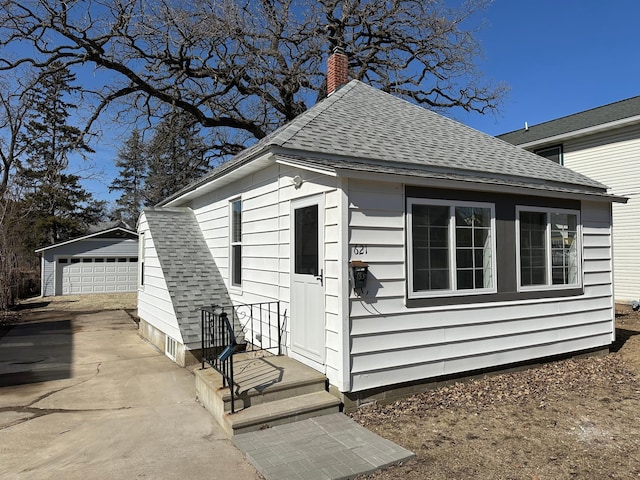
{"x":456,"y":249}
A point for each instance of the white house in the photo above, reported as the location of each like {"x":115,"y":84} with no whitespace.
{"x":479,"y":253}
{"x":603,"y":143}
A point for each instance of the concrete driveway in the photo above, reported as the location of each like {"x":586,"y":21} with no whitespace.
{"x":84,"y":397}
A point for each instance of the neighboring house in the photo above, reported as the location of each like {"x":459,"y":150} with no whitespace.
{"x":101,"y":262}
{"x":479,"y":253}
{"x":602,"y":143}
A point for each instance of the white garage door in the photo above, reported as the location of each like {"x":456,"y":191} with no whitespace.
{"x":97,"y":275}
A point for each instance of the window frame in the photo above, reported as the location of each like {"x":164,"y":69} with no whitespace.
{"x":545,"y":150}
{"x":234,"y":244}
{"x":452,"y":291}
{"x":548,"y":250}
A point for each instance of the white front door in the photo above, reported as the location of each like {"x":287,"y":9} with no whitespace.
{"x":307,"y":279}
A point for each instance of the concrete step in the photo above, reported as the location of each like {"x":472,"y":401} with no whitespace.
{"x":279,"y":412}
{"x":276,"y":392}
{"x":265,"y":379}
{"x":272,"y":390}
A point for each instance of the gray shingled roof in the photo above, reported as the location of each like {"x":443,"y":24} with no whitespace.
{"x":192,"y":276}
{"x":578,"y":121}
{"x":363,"y":124}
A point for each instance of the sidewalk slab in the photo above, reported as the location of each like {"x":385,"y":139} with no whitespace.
{"x":330,"y":447}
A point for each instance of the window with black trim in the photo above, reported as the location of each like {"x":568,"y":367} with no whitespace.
{"x":451,"y":248}
{"x":548,"y":248}
{"x":553,"y":153}
{"x":235,"y":240}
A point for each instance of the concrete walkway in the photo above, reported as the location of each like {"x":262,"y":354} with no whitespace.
{"x":87,"y":398}
{"x":329,"y":447}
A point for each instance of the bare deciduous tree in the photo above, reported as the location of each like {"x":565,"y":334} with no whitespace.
{"x":15,"y":101}
{"x":247,"y":66}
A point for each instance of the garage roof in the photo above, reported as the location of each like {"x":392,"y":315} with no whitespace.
{"x":117,"y":232}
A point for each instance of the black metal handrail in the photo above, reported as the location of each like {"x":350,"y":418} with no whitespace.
{"x":240,"y":327}
{"x":218,"y":345}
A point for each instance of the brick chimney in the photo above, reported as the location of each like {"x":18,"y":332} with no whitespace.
{"x":337,"y":70}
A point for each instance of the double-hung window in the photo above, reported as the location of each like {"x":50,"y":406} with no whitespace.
{"x":235,"y":241}
{"x":451,"y":248}
{"x":548,"y":248}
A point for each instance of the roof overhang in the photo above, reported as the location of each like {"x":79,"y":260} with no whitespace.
{"x":624,"y":122}
{"x":482,"y":185}
{"x":102,"y":234}
{"x":224,"y":177}
{"x":438,"y":178}
{"x":366,"y":169}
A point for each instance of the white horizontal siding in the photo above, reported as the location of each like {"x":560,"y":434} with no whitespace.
{"x":613,"y":158}
{"x":266,"y":238}
{"x":154,"y":301}
{"x":391,"y":343}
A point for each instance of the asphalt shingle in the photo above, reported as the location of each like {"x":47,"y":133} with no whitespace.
{"x":191,"y":274}
{"x":578,"y":121}
{"x":364,"y":125}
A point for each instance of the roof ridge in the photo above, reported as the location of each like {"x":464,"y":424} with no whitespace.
{"x":291,"y":129}
{"x":581,"y":112}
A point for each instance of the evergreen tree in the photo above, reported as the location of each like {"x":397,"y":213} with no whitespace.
{"x":132,"y":163}
{"x":60,"y":207}
{"x":176,"y":156}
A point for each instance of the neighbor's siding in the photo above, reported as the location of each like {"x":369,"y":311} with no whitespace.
{"x":154,"y":301}
{"x":392,"y":344}
{"x":613,"y":158}
{"x":91,"y":247}
{"x":266,"y":244}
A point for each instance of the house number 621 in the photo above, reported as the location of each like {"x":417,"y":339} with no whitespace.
{"x":360,"y":250}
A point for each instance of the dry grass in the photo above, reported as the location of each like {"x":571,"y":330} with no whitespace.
{"x":572,"y":419}
{"x":38,"y":308}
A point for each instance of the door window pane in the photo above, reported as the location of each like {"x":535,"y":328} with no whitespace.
{"x":306,"y":240}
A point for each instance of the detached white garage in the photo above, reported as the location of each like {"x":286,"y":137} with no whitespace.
{"x":101,"y":262}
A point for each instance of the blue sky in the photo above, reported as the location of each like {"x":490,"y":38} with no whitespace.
{"x":558,"y":56}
